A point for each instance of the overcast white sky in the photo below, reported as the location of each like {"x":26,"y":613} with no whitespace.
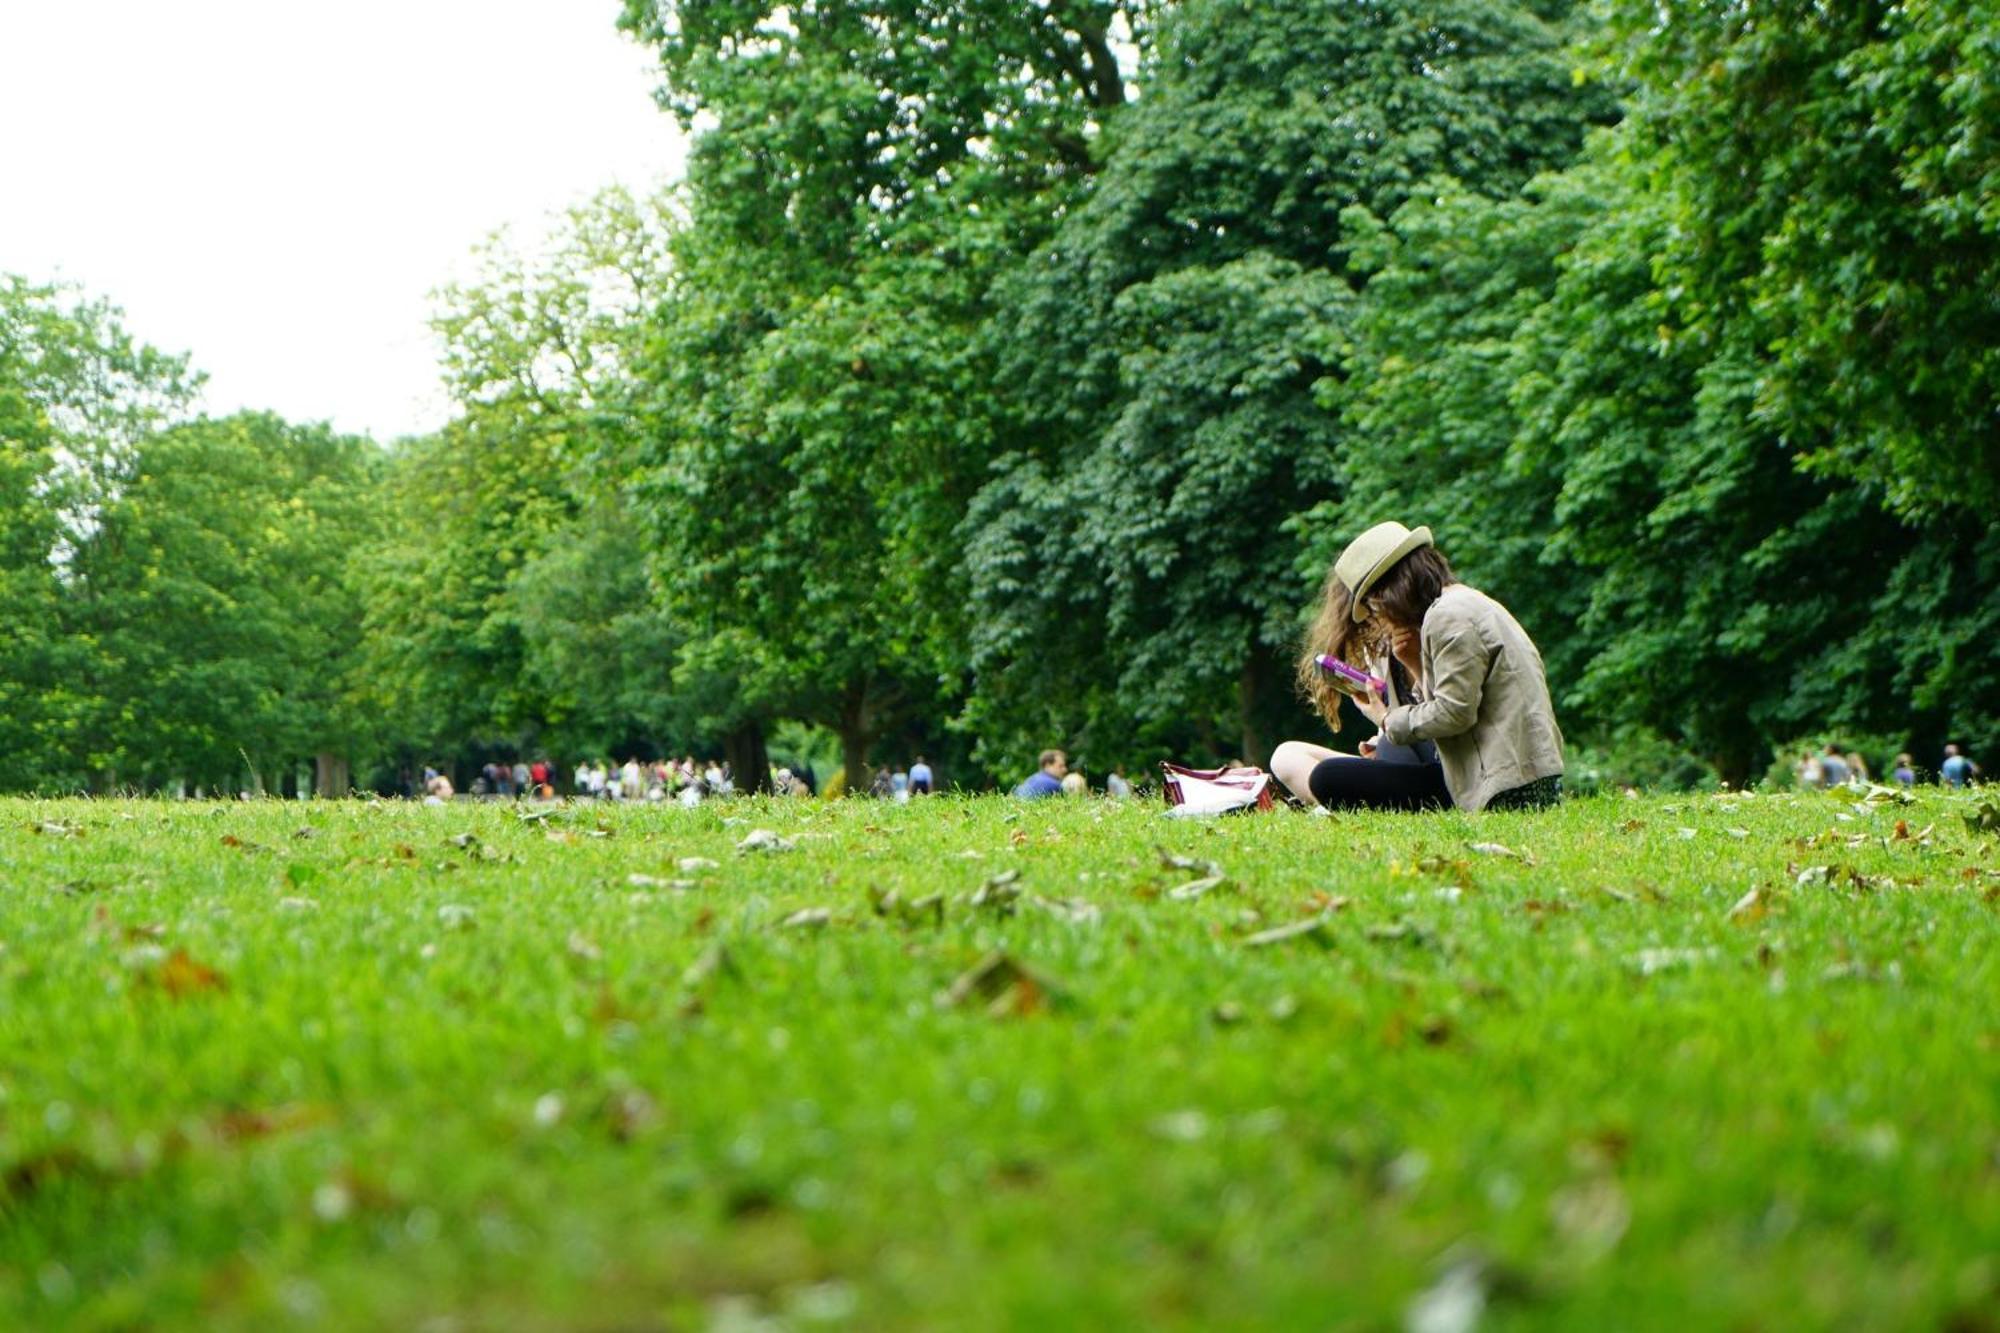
{"x":276,"y":185}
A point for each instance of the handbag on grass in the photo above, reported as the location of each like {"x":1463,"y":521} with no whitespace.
{"x":1214,"y":791}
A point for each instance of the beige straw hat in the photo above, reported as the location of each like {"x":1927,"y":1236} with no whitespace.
{"x":1370,"y":556}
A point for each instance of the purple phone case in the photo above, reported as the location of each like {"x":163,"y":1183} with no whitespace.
{"x":1333,"y":666}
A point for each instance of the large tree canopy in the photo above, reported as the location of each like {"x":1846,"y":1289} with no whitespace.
{"x":1165,"y":347}
{"x":1005,"y":375}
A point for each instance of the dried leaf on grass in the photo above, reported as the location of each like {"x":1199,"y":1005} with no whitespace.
{"x":712,"y":962}
{"x":909,"y":911}
{"x":1650,"y":962}
{"x":1457,"y":869}
{"x":1453,"y":1303}
{"x":1080,"y":911}
{"x":1003,"y":986}
{"x":179,"y":973}
{"x":1000,"y":893}
{"x":1592,"y":1215}
{"x":1184,"y":1126}
{"x":628,"y":1114}
{"x":1316,"y":930}
{"x":1750,"y":907}
{"x":1501,"y":850}
{"x":699,"y":978}
{"x":807,"y":918}
{"x":1876,"y":794}
{"x":638,"y":881}
{"x":342,"y":1193}
{"x":1194,"y":863}
{"x":764,"y":840}
{"x":1195,"y":888}
{"x":238,"y":1125}
{"x":1402,"y":932}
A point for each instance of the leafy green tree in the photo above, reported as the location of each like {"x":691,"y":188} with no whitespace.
{"x":862,"y":172}
{"x":1520,"y":373}
{"x":76,"y":394}
{"x":1833,"y":180}
{"x":508,"y":599}
{"x":216,"y":588}
{"x":1167,"y":345}
{"x":466,"y":509}
{"x":34,"y":678}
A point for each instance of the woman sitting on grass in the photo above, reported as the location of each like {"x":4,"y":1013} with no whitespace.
{"x":1467,"y":718}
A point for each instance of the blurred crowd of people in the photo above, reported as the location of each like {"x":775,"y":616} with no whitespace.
{"x":689,"y":780}
{"x":1831,"y":767}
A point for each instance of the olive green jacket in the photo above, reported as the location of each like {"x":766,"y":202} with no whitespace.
{"x":1486,"y":701}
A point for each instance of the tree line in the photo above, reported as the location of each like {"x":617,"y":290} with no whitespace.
{"x":1005,"y":375}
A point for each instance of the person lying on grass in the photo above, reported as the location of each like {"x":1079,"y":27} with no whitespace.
{"x":1464,"y":712}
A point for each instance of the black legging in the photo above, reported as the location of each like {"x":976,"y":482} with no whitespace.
{"x":1345,"y":782}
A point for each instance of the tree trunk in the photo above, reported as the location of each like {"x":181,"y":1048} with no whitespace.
{"x":749,"y":760}
{"x":330,"y":777}
{"x":1736,"y":767}
{"x":1250,"y":688}
{"x":854,"y":739}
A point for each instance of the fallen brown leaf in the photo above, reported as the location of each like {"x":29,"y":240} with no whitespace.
{"x":1004,"y":986}
{"x":180,"y":975}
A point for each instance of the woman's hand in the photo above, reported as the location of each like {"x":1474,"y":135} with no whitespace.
{"x":1368,"y":748}
{"x":1371,"y":705}
{"x":1408,"y":645}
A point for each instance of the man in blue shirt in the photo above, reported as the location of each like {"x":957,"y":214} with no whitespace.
{"x":1048,"y":780}
{"x":920,"y":778}
{"x":1956,"y":770}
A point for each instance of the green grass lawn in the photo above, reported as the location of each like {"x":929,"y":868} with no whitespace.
{"x":1698,"y":1062}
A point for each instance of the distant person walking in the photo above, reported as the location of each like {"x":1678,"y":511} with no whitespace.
{"x":1957,"y":770}
{"x":1833,"y":768}
{"x":1906,"y":771}
{"x":920,"y":778}
{"x":1046,"y":780}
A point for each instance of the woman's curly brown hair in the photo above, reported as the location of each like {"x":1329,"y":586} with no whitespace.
{"x":1400,"y":597}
